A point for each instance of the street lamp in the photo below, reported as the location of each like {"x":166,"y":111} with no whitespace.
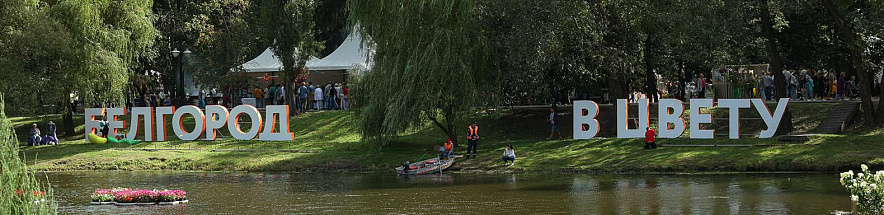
{"x":180,"y":55}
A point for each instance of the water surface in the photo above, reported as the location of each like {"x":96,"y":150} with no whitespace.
{"x":276,"y":193}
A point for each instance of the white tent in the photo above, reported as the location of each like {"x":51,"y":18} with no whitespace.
{"x":351,"y":54}
{"x":266,"y":62}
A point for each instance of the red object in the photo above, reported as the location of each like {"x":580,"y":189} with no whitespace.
{"x":431,"y":162}
{"x":649,"y":135}
{"x":412,"y":167}
{"x":448,"y":145}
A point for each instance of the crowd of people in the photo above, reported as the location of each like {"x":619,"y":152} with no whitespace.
{"x":310,"y":97}
{"x":814,"y":85}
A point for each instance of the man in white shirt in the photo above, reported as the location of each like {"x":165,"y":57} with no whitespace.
{"x":318,"y":97}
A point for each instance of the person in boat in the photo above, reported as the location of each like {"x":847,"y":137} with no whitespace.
{"x":509,"y":155}
{"x":472,"y":139}
{"x":446,"y":150}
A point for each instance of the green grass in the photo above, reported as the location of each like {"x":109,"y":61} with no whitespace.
{"x":328,"y":141}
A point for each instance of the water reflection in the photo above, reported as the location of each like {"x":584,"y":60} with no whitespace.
{"x":274,"y":193}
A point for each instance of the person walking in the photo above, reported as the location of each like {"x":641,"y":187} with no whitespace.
{"x":552,"y":122}
{"x":650,"y":138}
{"x":472,"y":140}
{"x":841,"y":88}
{"x":509,"y":155}
{"x":808,"y":87}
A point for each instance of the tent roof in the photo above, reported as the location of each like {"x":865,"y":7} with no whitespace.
{"x":351,"y":53}
{"x":266,"y":62}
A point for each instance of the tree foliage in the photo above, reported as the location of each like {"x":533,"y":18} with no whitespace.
{"x":429,"y":65}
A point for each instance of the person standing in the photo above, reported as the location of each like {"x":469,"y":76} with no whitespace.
{"x":317,"y":97}
{"x":472,"y":140}
{"x":552,"y":122}
{"x":841,"y":88}
{"x":650,"y":138}
{"x":701,"y":86}
{"x":346,"y":99}
{"x":767,"y":84}
{"x":280,"y":98}
{"x":509,"y":155}
{"x":272,"y":96}
{"x":808,"y":87}
{"x":340,"y":95}
{"x":310,"y":89}
{"x":259,"y":96}
{"x":302,"y":97}
{"x":332,"y":94}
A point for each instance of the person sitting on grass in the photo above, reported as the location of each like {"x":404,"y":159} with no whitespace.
{"x":509,"y":156}
{"x":650,"y":138}
{"x":34,"y":138}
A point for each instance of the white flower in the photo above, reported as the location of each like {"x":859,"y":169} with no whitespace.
{"x":842,"y":181}
{"x":873,"y":186}
{"x":864,"y":167}
{"x":850,"y":172}
{"x":854,"y":198}
{"x":860,"y":175}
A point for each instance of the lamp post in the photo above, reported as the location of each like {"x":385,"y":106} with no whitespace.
{"x":180,"y":56}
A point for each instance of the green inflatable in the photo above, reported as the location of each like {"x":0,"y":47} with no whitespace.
{"x":122,"y":140}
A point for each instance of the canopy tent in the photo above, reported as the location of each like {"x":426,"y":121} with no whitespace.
{"x":351,"y":54}
{"x":266,"y":62}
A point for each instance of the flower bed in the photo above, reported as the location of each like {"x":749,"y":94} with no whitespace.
{"x":866,"y":190}
{"x":127,"y":196}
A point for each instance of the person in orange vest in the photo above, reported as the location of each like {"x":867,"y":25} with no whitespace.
{"x":446,"y":150}
{"x":472,"y":139}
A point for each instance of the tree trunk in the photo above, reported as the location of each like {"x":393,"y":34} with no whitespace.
{"x":850,"y":37}
{"x":650,"y":77}
{"x":880,"y":103}
{"x":776,"y":65}
{"x":448,"y":127}
{"x":68,"y":118}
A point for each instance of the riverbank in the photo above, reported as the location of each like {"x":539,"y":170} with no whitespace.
{"x":328,"y":142}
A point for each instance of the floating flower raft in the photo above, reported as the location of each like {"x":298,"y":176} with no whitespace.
{"x":127,"y":196}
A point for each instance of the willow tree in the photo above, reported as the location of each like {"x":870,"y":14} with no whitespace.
{"x":428,"y":65}
{"x":66,"y":47}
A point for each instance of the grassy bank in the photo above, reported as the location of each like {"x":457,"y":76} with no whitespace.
{"x":328,"y":141}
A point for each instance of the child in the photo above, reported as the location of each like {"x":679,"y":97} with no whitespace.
{"x":509,"y":155}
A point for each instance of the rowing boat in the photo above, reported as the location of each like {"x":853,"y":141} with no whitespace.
{"x":428,"y":166}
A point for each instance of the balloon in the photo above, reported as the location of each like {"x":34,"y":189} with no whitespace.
{"x":96,"y":139}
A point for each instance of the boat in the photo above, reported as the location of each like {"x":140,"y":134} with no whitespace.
{"x":428,"y":166}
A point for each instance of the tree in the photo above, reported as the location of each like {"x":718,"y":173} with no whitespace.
{"x":430,"y":64}
{"x":842,"y":13}
{"x":290,"y":25}
{"x":84,"y":48}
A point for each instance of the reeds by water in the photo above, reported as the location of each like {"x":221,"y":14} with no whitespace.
{"x":20,"y":190}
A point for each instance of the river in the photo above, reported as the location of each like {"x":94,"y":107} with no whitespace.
{"x":280,"y":193}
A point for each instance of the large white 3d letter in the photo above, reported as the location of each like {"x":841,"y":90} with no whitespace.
{"x":733,"y":107}
{"x":160,"y":114}
{"x":114,"y":123}
{"x":673,"y":117}
{"x":146,"y":114}
{"x":772,"y":121}
{"x":584,"y":114}
{"x":623,"y":130}
{"x":233,"y":125}
{"x":217,"y":115}
{"x":272,"y":112}
{"x":92,"y":126}
{"x":697,"y":118}
{"x":199,"y":121}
